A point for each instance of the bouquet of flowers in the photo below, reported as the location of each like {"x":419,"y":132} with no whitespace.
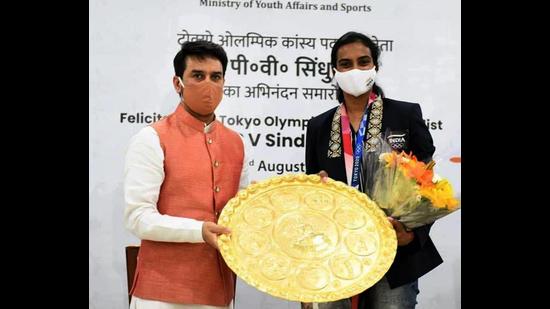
{"x":407,"y":189}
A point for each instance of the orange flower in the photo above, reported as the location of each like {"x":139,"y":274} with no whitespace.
{"x":412,"y":168}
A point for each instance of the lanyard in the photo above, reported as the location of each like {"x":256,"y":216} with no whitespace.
{"x":353,"y":158}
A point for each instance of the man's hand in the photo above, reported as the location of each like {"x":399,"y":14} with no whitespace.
{"x":403,"y":237}
{"x":210,"y":232}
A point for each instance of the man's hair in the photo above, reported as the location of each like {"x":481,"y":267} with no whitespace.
{"x":352,"y":37}
{"x":200,"y":49}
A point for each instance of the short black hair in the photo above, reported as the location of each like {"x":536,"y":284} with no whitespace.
{"x":200,"y":49}
{"x":352,"y":37}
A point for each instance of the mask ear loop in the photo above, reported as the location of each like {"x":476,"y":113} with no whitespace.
{"x":182,"y":86}
{"x":371,"y":80}
{"x":333,"y":81}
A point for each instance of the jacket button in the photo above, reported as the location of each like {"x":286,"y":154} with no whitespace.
{"x":217,"y":189}
{"x":209,"y":141}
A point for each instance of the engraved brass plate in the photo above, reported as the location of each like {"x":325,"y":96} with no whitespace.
{"x":302,"y":240}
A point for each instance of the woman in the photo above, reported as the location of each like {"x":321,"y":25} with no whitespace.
{"x":335,"y":142}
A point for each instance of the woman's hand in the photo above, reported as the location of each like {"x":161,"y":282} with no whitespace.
{"x":324,"y":176}
{"x":403,"y":237}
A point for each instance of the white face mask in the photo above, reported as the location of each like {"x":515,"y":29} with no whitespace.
{"x":356,"y":82}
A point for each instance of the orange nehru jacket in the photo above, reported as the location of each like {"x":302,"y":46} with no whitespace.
{"x":202,"y":172}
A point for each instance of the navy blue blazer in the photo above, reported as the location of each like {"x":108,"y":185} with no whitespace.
{"x":400,"y":119}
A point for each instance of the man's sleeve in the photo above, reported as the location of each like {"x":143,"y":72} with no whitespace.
{"x":143,"y":177}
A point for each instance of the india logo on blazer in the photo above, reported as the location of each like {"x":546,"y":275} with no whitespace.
{"x":398,"y":140}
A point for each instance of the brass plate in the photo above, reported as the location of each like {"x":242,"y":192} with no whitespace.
{"x":299,"y":239}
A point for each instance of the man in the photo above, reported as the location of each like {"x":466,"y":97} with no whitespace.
{"x":179,"y":174}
